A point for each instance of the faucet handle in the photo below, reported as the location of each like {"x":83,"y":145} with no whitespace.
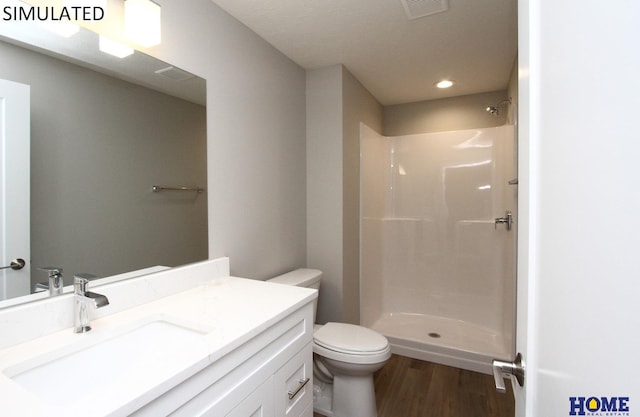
{"x":55,"y":283}
{"x":80,"y":285}
{"x":52,"y":270}
{"x":84,"y":275}
{"x":80,"y":282}
{"x":83,"y":298}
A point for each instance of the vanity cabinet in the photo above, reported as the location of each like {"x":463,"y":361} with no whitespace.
{"x":255,"y":379}
{"x":259,"y":403}
{"x":272,"y":398}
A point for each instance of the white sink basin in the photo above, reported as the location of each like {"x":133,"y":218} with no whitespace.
{"x":86,"y":367}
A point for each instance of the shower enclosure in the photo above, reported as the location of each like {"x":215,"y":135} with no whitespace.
{"x":437,"y":253}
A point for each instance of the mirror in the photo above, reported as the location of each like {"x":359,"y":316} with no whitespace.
{"x":104,"y":131}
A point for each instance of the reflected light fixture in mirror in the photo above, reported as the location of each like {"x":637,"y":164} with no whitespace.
{"x":142,"y":22}
{"x":65,"y":28}
{"x":61,"y":28}
{"x":114,"y":48}
{"x":85,"y":3}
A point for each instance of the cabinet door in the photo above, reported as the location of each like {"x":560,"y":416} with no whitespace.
{"x":293,"y":384}
{"x":308,"y":412}
{"x":258,"y":404}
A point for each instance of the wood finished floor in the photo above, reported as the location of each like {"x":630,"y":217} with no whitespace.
{"x":408,"y":387}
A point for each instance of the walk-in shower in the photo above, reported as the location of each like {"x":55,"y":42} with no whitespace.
{"x":437,"y":258}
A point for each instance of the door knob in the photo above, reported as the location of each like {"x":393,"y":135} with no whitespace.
{"x":502,"y":369}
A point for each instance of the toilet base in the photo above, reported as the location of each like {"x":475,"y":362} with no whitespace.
{"x":356,"y":396}
{"x":364,"y":405}
{"x":323,"y":399}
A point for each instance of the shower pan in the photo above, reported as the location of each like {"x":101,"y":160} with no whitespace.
{"x":437,"y":257}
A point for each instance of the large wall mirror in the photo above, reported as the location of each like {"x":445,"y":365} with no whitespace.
{"x":103,"y":132}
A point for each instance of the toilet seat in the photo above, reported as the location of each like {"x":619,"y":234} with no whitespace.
{"x":350,"y":343}
{"x":350,"y":338}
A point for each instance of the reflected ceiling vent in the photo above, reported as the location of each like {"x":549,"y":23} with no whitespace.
{"x":421,"y":8}
{"x":174,"y":73}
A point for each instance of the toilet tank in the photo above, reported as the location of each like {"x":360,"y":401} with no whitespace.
{"x":303,"y":277}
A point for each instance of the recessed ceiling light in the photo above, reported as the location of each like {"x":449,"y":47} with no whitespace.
{"x":444,"y":84}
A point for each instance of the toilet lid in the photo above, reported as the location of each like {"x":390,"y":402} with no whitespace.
{"x":350,"y":338}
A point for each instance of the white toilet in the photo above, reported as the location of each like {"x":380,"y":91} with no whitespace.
{"x":345,"y":356}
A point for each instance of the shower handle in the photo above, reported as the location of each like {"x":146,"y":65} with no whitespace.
{"x":502,"y":369}
{"x":507,"y":219}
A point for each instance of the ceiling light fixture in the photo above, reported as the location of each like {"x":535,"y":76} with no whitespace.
{"x":444,"y":84}
{"x":142,"y":22}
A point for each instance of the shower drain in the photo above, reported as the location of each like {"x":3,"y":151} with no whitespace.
{"x":434,"y":335}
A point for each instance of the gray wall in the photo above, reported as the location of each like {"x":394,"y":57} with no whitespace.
{"x":455,"y":113}
{"x":324,"y":187}
{"x":359,"y":107}
{"x":336,"y":105}
{"x":98,"y":144}
{"x":255,"y":137}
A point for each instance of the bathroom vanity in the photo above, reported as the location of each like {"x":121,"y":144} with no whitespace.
{"x":190,"y":341}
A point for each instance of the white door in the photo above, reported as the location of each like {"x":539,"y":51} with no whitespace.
{"x":579,"y":211}
{"x":14,"y":188}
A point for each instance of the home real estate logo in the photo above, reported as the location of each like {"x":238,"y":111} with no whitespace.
{"x":599,"y":406}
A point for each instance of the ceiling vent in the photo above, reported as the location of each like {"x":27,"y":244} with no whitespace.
{"x":422,"y":8}
{"x":174,"y":73}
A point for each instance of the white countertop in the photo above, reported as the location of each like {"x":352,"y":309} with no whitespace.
{"x":228,"y":311}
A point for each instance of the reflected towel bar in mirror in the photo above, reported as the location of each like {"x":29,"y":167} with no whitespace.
{"x":158,"y":188}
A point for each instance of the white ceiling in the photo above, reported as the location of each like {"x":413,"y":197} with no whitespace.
{"x":398,"y":60}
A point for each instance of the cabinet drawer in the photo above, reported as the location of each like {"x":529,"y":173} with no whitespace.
{"x":293,"y":384}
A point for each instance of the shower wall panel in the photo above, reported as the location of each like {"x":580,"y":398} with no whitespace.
{"x":429,"y":245}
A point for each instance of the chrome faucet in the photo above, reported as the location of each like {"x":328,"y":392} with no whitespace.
{"x":55,"y":284}
{"x":82,"y":300}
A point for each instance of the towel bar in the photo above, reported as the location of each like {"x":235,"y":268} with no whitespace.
{"x":158,"y":188}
